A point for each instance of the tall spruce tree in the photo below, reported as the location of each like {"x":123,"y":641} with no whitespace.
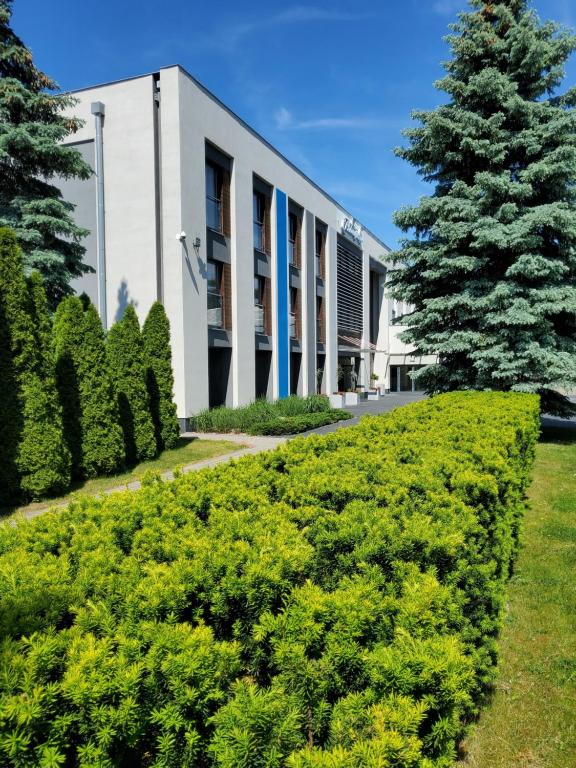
{"x":490,"y":269}
{"x":33,"y":125}
{"x":34,"y":460}
{"x":159,"y":376}
{"x":86,"y":391}
{"x":125,"y":351}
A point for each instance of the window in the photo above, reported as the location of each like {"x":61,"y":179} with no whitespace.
{"x":292,"y":237}
{"x":319,"y":251}
{"x":214,"y":280}
{"x":214,"y":197}
{"x":259,"y":309}
{"x":258,"y":290}
{"x":293,"y":312}
{"x":259,"y":215}
{"x":319,"y":319}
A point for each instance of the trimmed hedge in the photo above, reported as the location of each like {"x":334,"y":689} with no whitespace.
{"x":292,"y":425}
{"x":331,"y":604}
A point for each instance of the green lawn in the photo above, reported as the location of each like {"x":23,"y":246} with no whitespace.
{"x":531,"y":721}
{"x":188,"y":451}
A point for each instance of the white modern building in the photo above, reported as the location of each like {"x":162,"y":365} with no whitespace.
{"x":270,"y":286}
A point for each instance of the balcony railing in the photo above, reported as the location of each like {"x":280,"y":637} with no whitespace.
{"x":319,"y":331}
{"x":292,"y":325}
{"x":259,"y":318}
{"x":215,"y":314}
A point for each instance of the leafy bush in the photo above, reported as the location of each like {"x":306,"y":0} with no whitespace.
{"x":251,"y":418}
{"x":333,"y":603}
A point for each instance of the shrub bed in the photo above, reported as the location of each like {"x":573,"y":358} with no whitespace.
{"x":292,"y":425}
{"x":334,"y":603}
{"x":282,"y":417}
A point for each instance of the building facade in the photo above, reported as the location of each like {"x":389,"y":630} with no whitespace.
{"x":270,"y":286}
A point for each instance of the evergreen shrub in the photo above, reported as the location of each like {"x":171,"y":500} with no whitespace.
{"x":86,"y":391}
{"x":159,"y":377}
{"x":34,"y":460}
{"x":334,"y":603}
{"x":125,"y":351}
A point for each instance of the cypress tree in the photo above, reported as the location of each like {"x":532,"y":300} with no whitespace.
{"x":67,"y":343}
{"x":33,"y":447}
{"x":490,"y":269}
{"x":159,"y":376}
{"x":86,"y":391}
{"x":11,"y":411}
{"x":126,"y":359}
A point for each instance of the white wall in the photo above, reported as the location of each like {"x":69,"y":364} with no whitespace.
{"x":189,"y":116}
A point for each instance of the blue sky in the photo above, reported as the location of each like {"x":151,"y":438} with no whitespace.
{"x":331,"y":84}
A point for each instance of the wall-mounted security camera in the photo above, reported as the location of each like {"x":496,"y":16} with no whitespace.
{"x":181,"y":236}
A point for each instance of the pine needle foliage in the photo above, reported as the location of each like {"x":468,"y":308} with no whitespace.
{"x":125,"y":350}
{"x":33,"y":126}
{"x":331,"y":604}
{"x":35,"y":460}
{"x":87,"y":395}
{"x":490,"y":267}
{"x":159,"y":376}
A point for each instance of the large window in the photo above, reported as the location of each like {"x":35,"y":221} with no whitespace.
{"x":292,"y":238}
{"x":215,"y":304}
{"x":214,"y":197}
{"x":259,"y":216}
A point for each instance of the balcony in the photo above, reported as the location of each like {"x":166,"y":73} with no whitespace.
{"x":292,"y":324}
{"x":318,"y":266}
{"x":259,"y":326}
{"x":320,"y":331}
{"x":215,"y":313}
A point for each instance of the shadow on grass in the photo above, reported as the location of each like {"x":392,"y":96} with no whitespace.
{"x":558,"y":431}
{"x":78,"y":485}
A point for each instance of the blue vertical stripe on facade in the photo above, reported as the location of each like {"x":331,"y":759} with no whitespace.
{"x":283,"y":341}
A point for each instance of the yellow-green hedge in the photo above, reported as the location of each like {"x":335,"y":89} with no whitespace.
{"x":332,"y":604}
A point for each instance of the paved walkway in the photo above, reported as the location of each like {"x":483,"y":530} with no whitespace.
{"x":369,"y":407}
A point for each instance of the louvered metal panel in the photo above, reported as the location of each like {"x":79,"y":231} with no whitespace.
{"x":350,"y":285}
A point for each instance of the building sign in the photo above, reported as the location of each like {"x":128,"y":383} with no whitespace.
{"x":352,"y":229}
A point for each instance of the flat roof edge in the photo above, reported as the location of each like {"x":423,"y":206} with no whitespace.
{"x":245,"y":125}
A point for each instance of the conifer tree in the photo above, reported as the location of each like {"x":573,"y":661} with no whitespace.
{"x":33,"y":456}
{"x":490,"y":269}
{"x":86,"y":391}
{"x":33,"y":125}
{"x":159,"y":376}
{"x":126,"y":359}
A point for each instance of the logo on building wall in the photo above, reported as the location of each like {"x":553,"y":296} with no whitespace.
{"x":352,"y":229}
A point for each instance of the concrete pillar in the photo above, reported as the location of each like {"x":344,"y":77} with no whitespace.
{"x":330,"y":287}
{"x":242,"y":251}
